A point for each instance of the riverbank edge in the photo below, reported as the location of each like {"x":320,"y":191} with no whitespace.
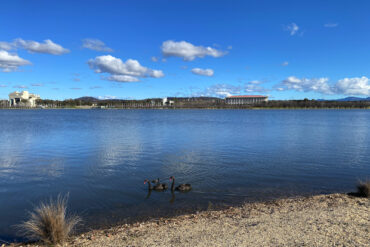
{"x":141,"y":233}
{"x":199,"y":108}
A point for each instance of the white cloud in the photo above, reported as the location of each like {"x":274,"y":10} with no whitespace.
{"x":6,"y":46}
{"x":120,"y":71}
{"x":253,"y":88}
{"x":230,"y":47}
{"x":3,"y":85}
{"x":48,"y":47}
{"x":346,"y":86}
{"x":154,"y":59}
{"x":20,"y":86}
{"x":37,"y":85}
{"x":122,"y":78}
{"x":305,"y":84}
{"x":188,"y":51}
{"x":204,"y":72}
{"x":220,"y":90}
{"x":10,"y":62}
{"x":255,"y":82}
{"x":353,"y":86}
{"x":225,"y":90}
{"x":285,"y":63}
{"x":292,"y":28}
{"x":156,"y":73}
{"x":107,"y":97}
{"x":330,"y":25}
{"x":96,"y":45}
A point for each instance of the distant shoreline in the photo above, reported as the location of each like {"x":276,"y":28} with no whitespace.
{"x":191,"y":103}
{"x":197,"y":108}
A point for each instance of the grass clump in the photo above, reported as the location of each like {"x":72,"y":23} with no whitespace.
{"x":49,"y":222}
{"x":363,"y":188}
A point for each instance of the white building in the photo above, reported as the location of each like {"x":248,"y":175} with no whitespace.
{"x":166,"y":101}
{"x":245,"y":99}
{"x":23,"y":98}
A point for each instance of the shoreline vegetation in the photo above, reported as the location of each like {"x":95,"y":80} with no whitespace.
{"x":190,"y":108}
{"x":318,"y":220}
{"x":189,"y":103}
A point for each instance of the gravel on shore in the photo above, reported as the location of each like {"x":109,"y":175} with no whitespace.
{"x":323,"y":220}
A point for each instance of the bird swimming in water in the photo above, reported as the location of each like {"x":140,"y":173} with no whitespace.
{"x":181,"y":187}
{"x":157,"y":187}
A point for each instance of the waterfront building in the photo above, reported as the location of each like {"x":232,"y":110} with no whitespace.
{"x":167,"y":102}
{"x":23,"y":98}
{"x":245,"y":99}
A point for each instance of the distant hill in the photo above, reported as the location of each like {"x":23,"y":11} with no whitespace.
{"x":87,"y":99}
{"x":354,"y":99}
{"x":347,"y":99}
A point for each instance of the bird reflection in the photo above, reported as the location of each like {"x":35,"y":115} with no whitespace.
{"x":148,"y":195}
{"x":172,"y":197}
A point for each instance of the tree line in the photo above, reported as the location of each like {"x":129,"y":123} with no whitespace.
{"x":312,"y":104}
{"x":193,"y":102}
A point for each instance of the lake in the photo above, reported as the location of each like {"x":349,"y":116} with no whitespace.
{"x":101,"y":158}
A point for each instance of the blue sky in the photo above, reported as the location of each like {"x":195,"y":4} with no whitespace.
{"x":143,"y":49}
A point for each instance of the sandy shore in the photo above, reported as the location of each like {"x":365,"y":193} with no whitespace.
{"x":324,"y":220}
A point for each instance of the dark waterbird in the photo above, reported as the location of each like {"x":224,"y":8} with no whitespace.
{"x":181,"y":187}
{"x":155,"y":181}
{"x":157,"y":187}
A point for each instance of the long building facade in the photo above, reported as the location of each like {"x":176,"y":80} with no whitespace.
{"x":245,"y":99}
{"x":23,"y":98}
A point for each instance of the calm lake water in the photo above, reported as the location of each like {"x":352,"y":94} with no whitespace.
{"x":101,"y":158}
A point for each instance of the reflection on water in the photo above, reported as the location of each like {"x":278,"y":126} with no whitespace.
{"x":229,"y":156}
{"x":173,"y":197}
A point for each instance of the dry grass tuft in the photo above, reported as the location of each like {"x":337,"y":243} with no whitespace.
{"x":49,"y":223}
{"x":363,"y":188}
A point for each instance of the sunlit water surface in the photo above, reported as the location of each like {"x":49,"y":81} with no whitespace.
{"x":101,"y":158}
